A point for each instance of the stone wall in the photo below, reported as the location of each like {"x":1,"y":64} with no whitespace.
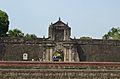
{"x":2,"y":51}
{"x":12,"y":49}
{"x":59,"y":70}
{"x":15,"y":52}
{"x":99,"y":50}
{"x":59,"y":74}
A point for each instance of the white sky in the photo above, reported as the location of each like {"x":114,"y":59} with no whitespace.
{"x":91,"y":18}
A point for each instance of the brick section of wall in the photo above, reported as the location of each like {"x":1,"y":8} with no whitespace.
{"x":59,"y":74}
{"x":61,"y":70}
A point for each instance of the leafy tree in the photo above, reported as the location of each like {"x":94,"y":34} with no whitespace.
{"x":15,"y":33}
{"x":85,"y":37}
{"x":114,"y":34}
{"x":4,"y":23}
{"x":30,"y":36}
{"x":19,"y":33}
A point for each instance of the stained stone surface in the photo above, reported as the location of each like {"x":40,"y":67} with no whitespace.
{"x":42,"y":49}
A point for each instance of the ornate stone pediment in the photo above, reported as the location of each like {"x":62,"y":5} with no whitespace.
{"x":59,"y":31}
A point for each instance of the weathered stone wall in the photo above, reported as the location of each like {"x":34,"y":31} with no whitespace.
{"x":15,"y":52}
{"x":2,"y":51}
{"x":59,"y":70}
{"x":99,"y":50}
{"x":59,"y":74}
{"x":12,"y":49}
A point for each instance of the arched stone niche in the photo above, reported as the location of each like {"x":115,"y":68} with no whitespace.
{"x":25,"y":56}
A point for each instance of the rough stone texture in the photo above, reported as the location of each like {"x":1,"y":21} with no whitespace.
{"x":42,"y":49}
{"x":54,"y":74}
{"x":99,"y":50}
{"x":56,"y":70}
{"x":88,"y":50}
{"x":34,"y":52}
{"x":2,"y":51}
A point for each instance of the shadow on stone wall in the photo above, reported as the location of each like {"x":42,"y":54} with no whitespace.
{"x":2,"y":51}
{"x":81,"y":53}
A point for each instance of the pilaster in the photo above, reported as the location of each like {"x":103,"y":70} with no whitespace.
{"x":64,"y":54}
{"x":70,"y":55}
{"x":51,"y":53}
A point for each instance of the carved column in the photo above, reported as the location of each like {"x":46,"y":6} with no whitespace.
{"x":44,"y":56}
{"x":70,"y":55}
{"x":51,"y":52}
{"x":67,"y":54}
{"x":47,"y":54}
{"x":77,"y":57}
{"x":73,"y":54}
{"x":64,"y":54}
{"x":64,"y":34}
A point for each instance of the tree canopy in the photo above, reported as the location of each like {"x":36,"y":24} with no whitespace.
{"x":19,"y":33}
{"x":85,"y":37}
{"x":30,"y":36}
{"x":4,"y":23}
{"x":15,"y":33}
{"x":114,"y":34}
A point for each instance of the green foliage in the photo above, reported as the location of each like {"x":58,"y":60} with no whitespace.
{"x":30,"y":36}
{"x":114,"y":34}
{"x":19,"y":33}
{"x":4,"y":23}
{"x":15,"y":33}
{"x":85,"y":37}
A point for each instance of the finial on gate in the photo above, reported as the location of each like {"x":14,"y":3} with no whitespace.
{"x":59,"y":19}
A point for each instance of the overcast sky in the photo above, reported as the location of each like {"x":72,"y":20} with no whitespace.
{"x":91,"y":18}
